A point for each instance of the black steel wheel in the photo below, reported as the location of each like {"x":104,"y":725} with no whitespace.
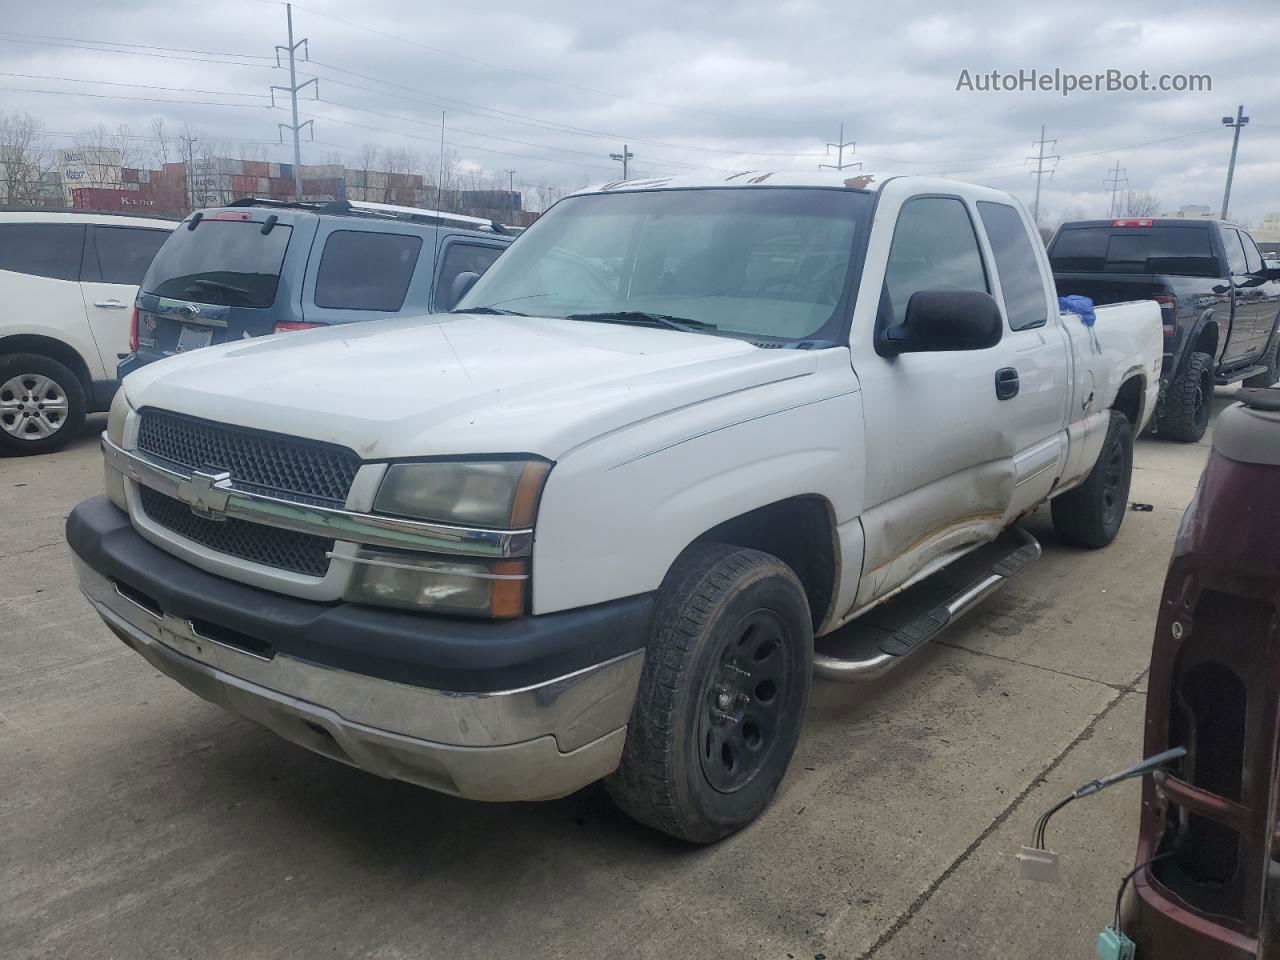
{"x":743,"y":701}
{"x":725,"y":682}
{"x":1091,"y":514}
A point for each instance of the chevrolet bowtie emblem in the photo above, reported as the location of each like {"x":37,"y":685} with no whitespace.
{"x":206,"y":492}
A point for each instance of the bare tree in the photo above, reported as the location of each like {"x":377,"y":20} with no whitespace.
{"x":1144,"y":204}
{"x":162,"y":147}
{"x":23,"y":159}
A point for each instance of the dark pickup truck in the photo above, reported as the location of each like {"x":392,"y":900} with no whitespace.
{"x":1219,"y":298}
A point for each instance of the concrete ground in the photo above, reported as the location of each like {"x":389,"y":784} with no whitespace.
{"x":138,"y":821}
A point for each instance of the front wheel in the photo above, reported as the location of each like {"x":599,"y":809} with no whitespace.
{"x":1091,"y":514}
{"x":725,"y":683}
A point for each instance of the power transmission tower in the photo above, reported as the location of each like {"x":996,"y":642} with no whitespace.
{"x":511,"y":194}
{"x":1115,"y":180}
{"x":292,"y":89}
{"x":626,"y":156}
{"x":1040,"y":170}
{"x":839,"y":147}
{"x":1238,"y":123}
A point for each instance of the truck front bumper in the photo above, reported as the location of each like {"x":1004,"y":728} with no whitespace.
{"x":538,"y":740}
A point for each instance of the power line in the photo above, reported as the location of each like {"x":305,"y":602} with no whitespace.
{"x":139,"y":53}
{"x":110,"y":96}
{"x":464,"y":146}
{"x":535,"y":76}
{"x":526,"y":120}
{"x":494,"y":136}
{"x":144,"y":46}
{"x":141,"y":86}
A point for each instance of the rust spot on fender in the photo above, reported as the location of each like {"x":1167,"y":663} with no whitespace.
{"x":860,"y":182}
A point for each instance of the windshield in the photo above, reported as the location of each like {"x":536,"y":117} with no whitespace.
{"x":768,"y":262}
{"x":225,"y":262}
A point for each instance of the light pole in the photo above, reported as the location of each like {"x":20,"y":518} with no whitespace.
{"x":1237,"y":123}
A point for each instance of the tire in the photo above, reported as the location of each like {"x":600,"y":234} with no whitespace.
{"x":1091,"y":514}
{"x":1184,"y":413}
{"x":42,"y":404}
{"x":1270,"y":360}
{"x":722,"y":696}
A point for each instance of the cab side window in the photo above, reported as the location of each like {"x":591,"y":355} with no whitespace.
{"x":42,"y":249}
{"x":1252,"y":256}
{"x":934,"y":247}
{"x":1016,"y":265}
{"x":1235,"y":253}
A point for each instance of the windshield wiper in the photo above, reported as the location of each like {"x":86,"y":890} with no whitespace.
{"x":646,"y":319}
{"x":494,"y":310}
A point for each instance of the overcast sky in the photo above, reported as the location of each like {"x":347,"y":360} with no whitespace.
{"x":689,"y":85}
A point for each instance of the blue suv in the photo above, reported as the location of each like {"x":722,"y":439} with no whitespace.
{"x":258,"y":267}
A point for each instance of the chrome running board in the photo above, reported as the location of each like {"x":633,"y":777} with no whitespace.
{"x":895,"y":648}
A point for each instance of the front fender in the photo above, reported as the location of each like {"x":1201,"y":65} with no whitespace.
{"x":617,"y":512}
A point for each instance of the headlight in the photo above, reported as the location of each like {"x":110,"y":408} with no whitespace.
{"x":112,"y":477}
{"x":501,"y":494}
{"x":484,"y":588}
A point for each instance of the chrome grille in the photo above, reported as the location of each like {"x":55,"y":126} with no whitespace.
{"x":270,"y":546}
{"x":270,"y":462}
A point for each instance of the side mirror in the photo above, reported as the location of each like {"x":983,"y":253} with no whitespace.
{"x":461,"y":284}
{"x":939,"y":320}
{"x":1271,"y":270}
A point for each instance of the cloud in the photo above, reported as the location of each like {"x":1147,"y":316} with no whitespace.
{"x":694,"y":86}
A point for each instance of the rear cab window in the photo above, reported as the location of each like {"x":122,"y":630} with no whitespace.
{"x":1017,"y":267}
{"x":1163,"y":248}
{"x":364,"y":270}
{"x":51,"y":250}
{"x":223,"y":262}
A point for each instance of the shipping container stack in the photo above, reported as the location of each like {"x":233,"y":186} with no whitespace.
{"x":178,"y":188}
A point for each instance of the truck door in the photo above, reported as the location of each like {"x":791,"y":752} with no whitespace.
{"x":940,"y":443}
{"x":1257,"y":299}
{"x":1036,"y":382}
{"x":1243,"y":338}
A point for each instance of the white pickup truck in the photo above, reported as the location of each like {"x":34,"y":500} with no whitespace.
{"x":589,"y":524}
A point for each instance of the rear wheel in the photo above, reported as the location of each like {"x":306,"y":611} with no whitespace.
{"x":1091,"y":514}
{"x":1184,"y":413}
{"x":1270,"y":360}
{"x":42,"y":404}
{"x":725,"y":682}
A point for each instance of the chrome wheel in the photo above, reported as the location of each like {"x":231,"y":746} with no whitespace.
{"x":32,"y":406}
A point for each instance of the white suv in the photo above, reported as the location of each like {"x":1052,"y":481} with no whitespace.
{"x":67,"y":283}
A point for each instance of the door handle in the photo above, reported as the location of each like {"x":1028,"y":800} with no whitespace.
{"x":112,"y":304}
{"x":1006,"y":383}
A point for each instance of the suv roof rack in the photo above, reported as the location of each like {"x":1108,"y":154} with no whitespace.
{"x":366,"y":208}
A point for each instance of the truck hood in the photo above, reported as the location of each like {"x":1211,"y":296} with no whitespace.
{"x":459,"y":383}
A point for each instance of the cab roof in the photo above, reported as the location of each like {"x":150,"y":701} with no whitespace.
{"x":848,"y":179}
